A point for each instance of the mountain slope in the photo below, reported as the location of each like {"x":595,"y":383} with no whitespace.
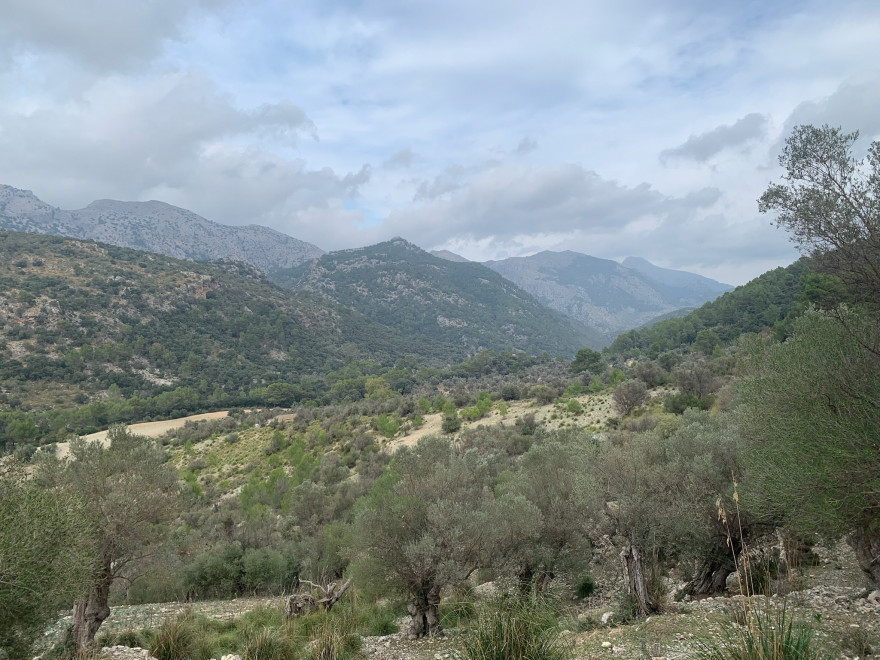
{"x":768,"y":301}
{"x":155,"y":227}
{"x":464,"y":305}
{"x":78,"y":317}
{"x":599,"y":293}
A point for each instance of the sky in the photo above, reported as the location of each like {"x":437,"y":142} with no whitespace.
{"x":491,"y":129}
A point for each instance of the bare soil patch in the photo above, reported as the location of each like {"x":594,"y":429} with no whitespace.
{"x":147,"y":429}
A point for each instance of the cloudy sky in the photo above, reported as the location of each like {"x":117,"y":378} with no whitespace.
{"x":489,"y":128}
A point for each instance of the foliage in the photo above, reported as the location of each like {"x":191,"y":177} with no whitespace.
{"x":765,"y":302}
{"x":830,"y":202}
{"x":809,"y":408}
{"x":46,"y":557}
{"x":587,"y":360}
{"x":550,"y":478}
{"x":438,"y":523}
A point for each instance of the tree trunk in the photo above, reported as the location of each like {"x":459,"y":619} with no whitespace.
{"x":89,"y":613}
{"x":710,"y":580}
{"x":423,"y":611}
{"x":635,"y":578}
{"x":865,"y":540}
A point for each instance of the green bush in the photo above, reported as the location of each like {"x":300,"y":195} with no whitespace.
{"x":585,"y":586}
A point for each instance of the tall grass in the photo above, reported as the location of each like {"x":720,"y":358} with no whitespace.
{"x":762,"y":629}
{"x":509,"y":629}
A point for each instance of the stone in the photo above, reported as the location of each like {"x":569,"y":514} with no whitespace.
{"x":487,"y":590}
{"x":606,"y":617}
{"x":607,"y":645}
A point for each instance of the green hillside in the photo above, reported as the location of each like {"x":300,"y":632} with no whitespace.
{"x":769,"y":301}
{"x":463,"y":305}
{"x":78,"y":318}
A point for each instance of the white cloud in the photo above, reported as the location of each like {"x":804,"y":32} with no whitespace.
{"x":705,"y":145}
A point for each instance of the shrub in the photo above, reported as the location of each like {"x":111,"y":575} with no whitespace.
{"x":585,"y":586}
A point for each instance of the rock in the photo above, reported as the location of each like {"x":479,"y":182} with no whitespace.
{"x":125,"y":653}
{"x":231,"y":656}
{"x":874,"y":597}
{"x":487,"y":590}
{"x":606,"y":617}
{"x":607,"y":645}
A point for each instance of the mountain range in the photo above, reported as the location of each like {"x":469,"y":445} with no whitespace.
{"x":155,"y":227}
{"x":602,"y":296}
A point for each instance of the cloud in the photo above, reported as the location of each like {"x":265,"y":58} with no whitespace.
{"x":853,"y":106}
{"x":508,"y":201}
{"x":101,"y":35}
{"x":450,"y":179}
{"x":176,"y":138}
{"x":526,"y":145}
{"x":702,"y":147}
{"x":401,"y":159}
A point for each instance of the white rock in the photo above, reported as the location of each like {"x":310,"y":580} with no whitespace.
{"x":487,"y":590}
{"x":607,"y":645}
{"x":606,"y":617}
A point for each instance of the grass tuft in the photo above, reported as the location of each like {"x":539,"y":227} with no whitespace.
{"x":510,"y":629}
{"x":767,"y":633}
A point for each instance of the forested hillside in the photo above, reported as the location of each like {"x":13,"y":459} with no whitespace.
{"x":462,"y":304}
{"x":78,"y":318}
{"x":769,"y":302}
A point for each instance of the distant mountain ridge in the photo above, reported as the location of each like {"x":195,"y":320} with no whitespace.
{"x":155,"y":227}
{"x":603,"y":294}
{"x":462,"y":304}
{"x":678,"y":279}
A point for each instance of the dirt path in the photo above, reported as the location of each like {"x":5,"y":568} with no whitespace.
{"x":147,"y":429}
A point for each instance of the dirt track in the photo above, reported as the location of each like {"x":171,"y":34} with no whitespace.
{"x":147,"y":429}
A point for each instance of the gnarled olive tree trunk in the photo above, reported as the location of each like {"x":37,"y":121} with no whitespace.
{"x":90,"y":612}
{"x":635,"y":577}
{"x":865,"y":541}
{"x":424,"y":613}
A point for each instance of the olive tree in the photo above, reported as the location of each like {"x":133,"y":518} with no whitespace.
{"x":129,"y":493}
{"x":629,"y":395}
{"x":46,"y":556}
{"x":433,"y":520}
{"x":810,"y":413}
{"x":829,"y":201}
{"x":661,"y":493}
{"x":551,"y":478}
